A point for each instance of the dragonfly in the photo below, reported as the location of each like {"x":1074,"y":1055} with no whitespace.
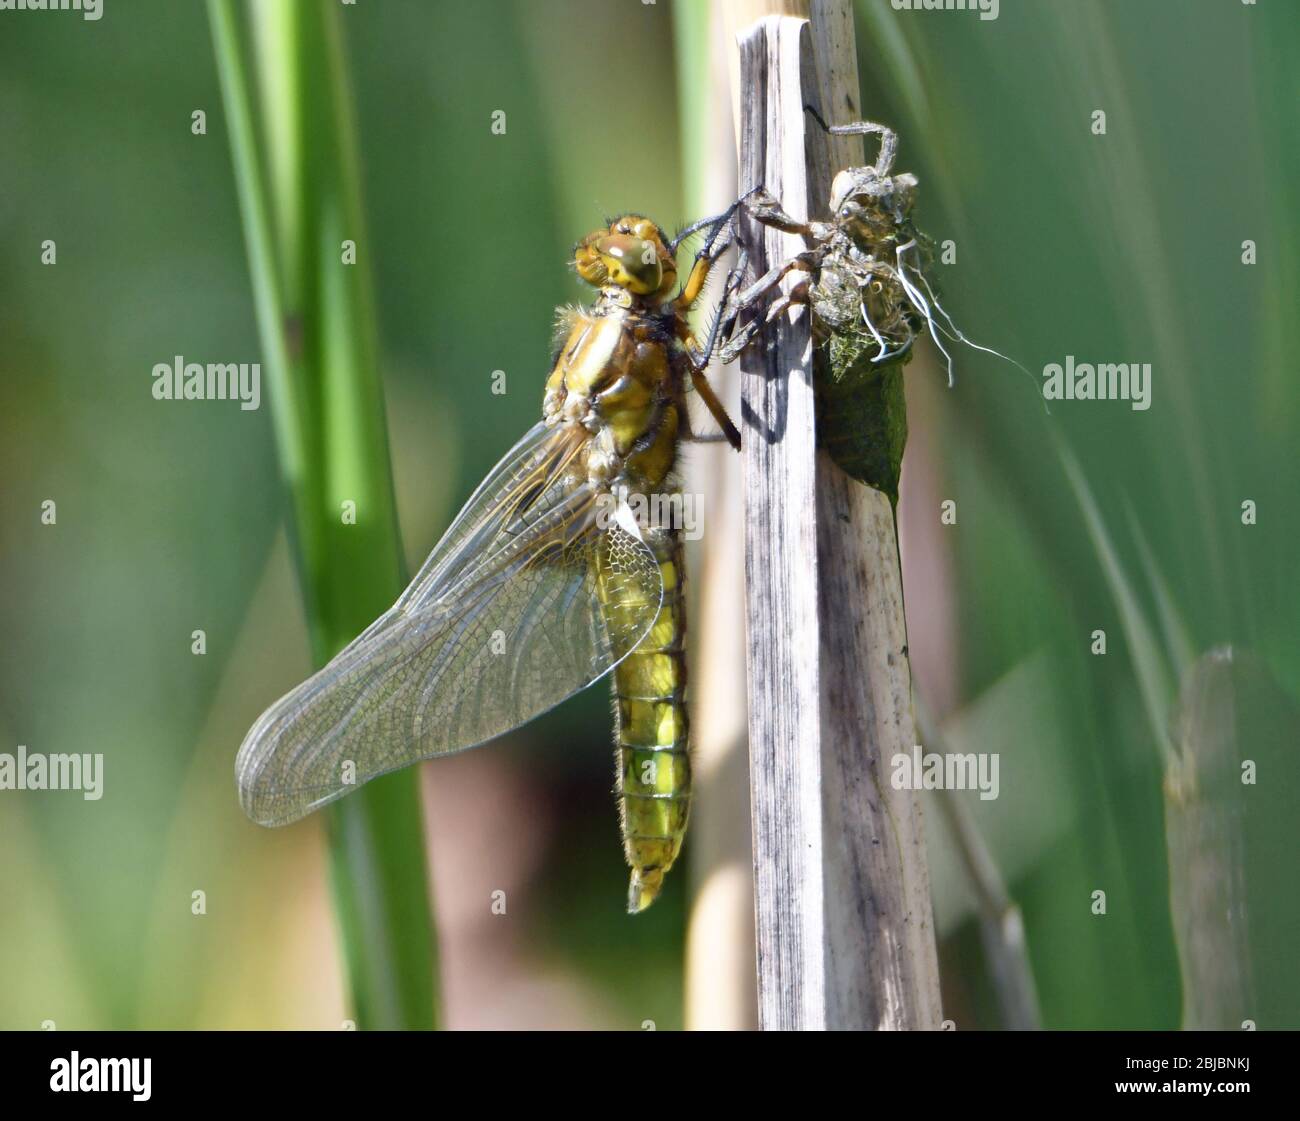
{"x":565,"y":565}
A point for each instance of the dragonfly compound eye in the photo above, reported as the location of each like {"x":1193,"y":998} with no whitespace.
{"x":631,"y":262}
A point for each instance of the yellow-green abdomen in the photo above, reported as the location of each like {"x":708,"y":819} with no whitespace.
{"x":654,"y":766}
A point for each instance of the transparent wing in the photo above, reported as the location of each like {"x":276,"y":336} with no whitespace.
{"x":502,"y":622}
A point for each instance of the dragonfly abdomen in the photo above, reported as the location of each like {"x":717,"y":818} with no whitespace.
{"x":652,"y":734}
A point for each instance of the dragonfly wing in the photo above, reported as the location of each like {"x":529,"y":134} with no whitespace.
{"x":532,"y":468}
{"x":502,"y":623}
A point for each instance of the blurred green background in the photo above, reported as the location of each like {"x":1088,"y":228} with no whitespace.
{"x":1122,"y":247}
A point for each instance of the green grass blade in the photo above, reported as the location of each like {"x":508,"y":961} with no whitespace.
{"x":1155,"y":679}
{"x":315,"y":318}
{"x":1173,"y":627}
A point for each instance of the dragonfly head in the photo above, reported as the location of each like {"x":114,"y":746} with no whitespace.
{"x":632,"y":253}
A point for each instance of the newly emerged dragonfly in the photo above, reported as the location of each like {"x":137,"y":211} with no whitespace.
{"x":561,"y":567}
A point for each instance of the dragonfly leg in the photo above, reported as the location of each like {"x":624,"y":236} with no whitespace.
{"x":698,"y":358}
{"x":723,"y":337}
{"x":698,"y":361}
{"x":737,"y":338}
{"x":715,"y":223}
{"x":748,"y":297}
{"x":721,"y":224}
{"x":888,"y":138}
{"x":764,"y":207}
{"x":722,"y":321}
{"x":797,"y":295}
{"x":715,"y":407}
{"x":760,"y":203}
{"x":721,"y":238}
{"x":690,"y":436}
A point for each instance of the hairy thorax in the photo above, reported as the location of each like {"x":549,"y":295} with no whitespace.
{"x":614,"y":375}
